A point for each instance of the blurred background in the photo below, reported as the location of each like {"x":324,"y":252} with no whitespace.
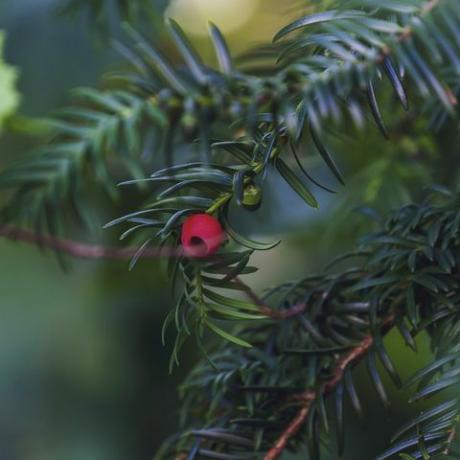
{"x":83,"y":374}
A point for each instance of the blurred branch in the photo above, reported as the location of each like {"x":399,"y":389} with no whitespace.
{"x":105,"y":15}
{"x":83,"y":250}
{"x":94,"y":251}
{"x":450,"y":440}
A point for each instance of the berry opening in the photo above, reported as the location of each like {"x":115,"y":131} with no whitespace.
{"x":196,"y":240}
{"x":198,"y":243}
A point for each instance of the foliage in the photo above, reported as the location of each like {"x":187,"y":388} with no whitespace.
{"x":274,"y":112}
{"x":233,"y":129}
{"x":101,"y":12}
{"x":406,"y":278}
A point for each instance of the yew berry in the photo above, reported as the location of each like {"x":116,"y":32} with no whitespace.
{"x":201,"y":235}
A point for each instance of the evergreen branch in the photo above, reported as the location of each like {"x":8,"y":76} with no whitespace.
{"x":350,"y":359}
{"x":104,"y":131}
{"x":350,"y":43}
{"x":274,"y":114}
{"x":322,"y":74}
{"x":268,"y":377}
{"x":410,"y":278}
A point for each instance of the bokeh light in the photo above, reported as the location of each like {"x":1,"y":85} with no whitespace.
{"x":229,"y":15}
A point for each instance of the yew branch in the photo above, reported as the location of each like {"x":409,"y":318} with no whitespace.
{"x":349,"y":359}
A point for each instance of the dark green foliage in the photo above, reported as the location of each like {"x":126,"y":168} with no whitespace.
{"x":217,"y":132}
{"x":326,"y":72}
{"x":49,"y":183}
{"x":253,"y":394}
{"x":321,"y":74}
{"x":107,"y":13}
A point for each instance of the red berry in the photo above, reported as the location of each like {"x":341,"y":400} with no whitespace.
{"x":202,"y":235}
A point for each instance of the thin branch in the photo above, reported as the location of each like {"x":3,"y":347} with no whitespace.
{"x":83,"y":250}
{"x":355,"y":355}
{"x":265,"y":309}
{"x":450,"y":440}
{"x":431,"y":4}
{"x":350,"y":359}
{"x":93,"y":251}
{"x":288,"y":312}
{"x":250,"y":293}
{"x":292,"y":429}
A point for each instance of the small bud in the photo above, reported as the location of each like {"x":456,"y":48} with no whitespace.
{"x":252,"y":197}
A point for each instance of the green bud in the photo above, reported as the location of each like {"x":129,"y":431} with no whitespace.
{"x":252,"y":197}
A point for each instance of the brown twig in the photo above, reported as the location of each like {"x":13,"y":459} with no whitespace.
{"x":83,"y":250}
{"x":265,"y":309}
{"x":450,"y":440}
{"x":250,"y":293}
{"x":282,"y":314}
{"x":292,"y":429}
{"x":430,"y":5}
{"x":289,"y":312}
{"x":350,"y":359}
{"x":93,"y":251}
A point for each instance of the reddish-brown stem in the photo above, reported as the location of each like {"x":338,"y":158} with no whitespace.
{"x":450,"y":440}
{"x":252,"y":296}
{"x":282,"y":314}
{"x":265,"y":309}
{"x":355,"y":355}
{"x":83,"y":250}
{"x":289,"y":312}
{"x":351,"y":358}
{"x":291,"y":430}
{"x":92,"y":251}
